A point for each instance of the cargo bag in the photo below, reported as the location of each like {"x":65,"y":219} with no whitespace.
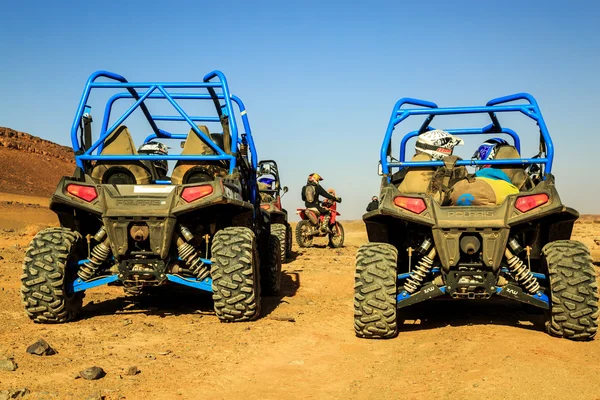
{"x":488,"y":187}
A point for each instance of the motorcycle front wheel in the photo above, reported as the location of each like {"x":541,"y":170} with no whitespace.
{"x":336,"y":238}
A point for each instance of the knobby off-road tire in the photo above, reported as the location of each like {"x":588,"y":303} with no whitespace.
{"x":574,"y":291}
{"x":279,"y":230}
{"x":47,"y":272}
{"x":288,"y":241}
{"x":270,"y":272}
{"x":336,"y":239}
{"x":235,"y":275}
{"x":375,"y":285}
{"x":303,"y":240}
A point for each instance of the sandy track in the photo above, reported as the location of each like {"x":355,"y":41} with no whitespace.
{"x":445,"y":349}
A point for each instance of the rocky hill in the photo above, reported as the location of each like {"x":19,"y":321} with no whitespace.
{"x":31,"y":165}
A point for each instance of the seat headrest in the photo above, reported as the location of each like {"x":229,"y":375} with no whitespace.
{"x":119,"y":142}
{"x":120,"y":172}
{"x":517,"y":175}
{"x":195,"y":145}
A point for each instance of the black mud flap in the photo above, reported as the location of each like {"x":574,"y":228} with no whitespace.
{"x":428,"y":291}
{"x":514,"y":292}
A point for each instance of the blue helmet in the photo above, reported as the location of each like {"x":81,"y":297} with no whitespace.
{"x":487,"y":151}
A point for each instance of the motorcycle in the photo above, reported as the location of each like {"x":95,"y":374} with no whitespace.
{"x":324,"y":225}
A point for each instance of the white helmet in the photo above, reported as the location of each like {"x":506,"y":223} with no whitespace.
{"x":438,"y":143}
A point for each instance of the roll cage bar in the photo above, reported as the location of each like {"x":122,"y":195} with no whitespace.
{"x":158,"y":90}
{"x":494,"y":106}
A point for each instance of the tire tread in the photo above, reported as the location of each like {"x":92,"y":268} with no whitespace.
{"x":375,"y":287}
{"x":574,"y":290}
{"x":235,"y":275}
{"x":43,"y":282}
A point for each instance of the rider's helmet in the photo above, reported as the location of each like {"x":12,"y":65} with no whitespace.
{"x":315,"y":177}
{"x":264,"y":169}
{"x":437,"y":143}
{"x":158,"y":149}
{"x":487,"y":151}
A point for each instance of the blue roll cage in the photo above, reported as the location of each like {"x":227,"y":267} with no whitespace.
{"x":119,"y":81}
{"x":497,"y":105}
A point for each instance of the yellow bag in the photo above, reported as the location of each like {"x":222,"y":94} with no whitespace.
{"x":481,"y":192}
{"x":502,"y":188}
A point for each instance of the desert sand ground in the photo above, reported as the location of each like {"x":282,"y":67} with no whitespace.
{"x":445,"y":349}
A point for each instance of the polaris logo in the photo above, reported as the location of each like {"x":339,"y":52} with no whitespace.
{"x":132,"y":202}
{"x":471,"y":214}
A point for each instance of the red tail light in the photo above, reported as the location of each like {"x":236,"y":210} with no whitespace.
{"x":87,"y":193}
{"x":194,"y":193}
{"x":528,"y":203}
{"x":413,"y":204}
{"x":265,"y":206}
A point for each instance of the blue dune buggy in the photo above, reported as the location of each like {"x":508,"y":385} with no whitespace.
{"x":421,"y":247}
{"x":124,"y":220}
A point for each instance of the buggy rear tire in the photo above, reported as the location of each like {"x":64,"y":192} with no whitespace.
{"x":271,"y":268}
{"x":573,"y":291}
{"x":280,"y":231}
{"x":235,"y":275}
{"x":49,"y":268}
{"x":302,"y":238}
{"x":337,"y":241}
{"x":375,"y":289}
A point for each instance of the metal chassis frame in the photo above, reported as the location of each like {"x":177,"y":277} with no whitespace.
{"x":429,"y":290}
{"x":492,"y":107}
{"x":79,"y":285}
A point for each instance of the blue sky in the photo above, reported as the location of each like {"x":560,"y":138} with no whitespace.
{"x":319,"y":79}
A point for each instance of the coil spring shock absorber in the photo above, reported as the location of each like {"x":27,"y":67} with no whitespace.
{"x":190,"y":256}
{"x":97,"y":256}
{"x":424,"y":265}
{"x":521,"y":273}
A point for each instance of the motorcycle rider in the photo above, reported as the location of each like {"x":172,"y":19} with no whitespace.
{"x":310,"y":194}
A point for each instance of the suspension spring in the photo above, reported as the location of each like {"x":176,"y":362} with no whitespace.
{"x":521,"y":273}
{"x":424,"y":265}
{"x":192,"y":259}
{"x":98,"y":255}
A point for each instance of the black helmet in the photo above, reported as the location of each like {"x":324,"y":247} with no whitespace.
{"x":158,"y":149}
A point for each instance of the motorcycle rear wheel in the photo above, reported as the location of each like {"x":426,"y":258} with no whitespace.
{"x":304,"y":236}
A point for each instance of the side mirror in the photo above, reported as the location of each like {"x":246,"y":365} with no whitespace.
{"x":285,"y":190}
{"x":182,"y":144}
{"x":379,"y":169}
